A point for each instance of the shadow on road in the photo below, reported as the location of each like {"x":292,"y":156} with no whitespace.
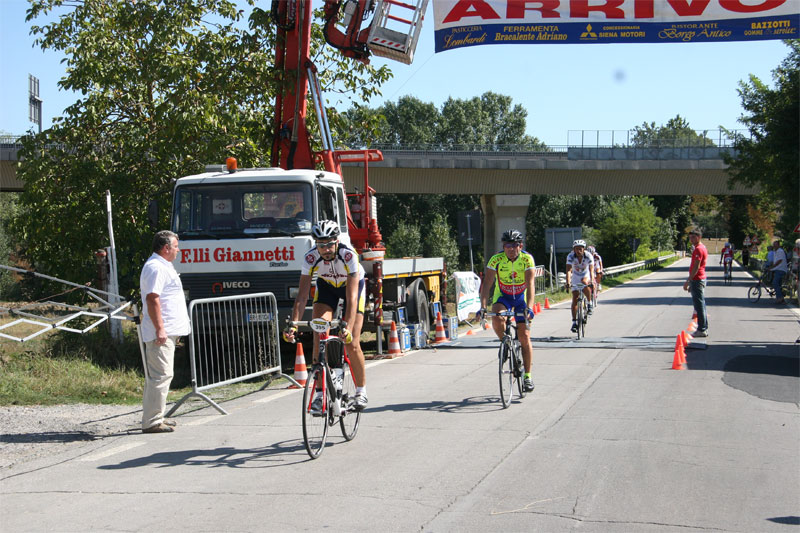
{"x":767,"y":370}
{"x":220,"y":457}
{"x":476,"y":404}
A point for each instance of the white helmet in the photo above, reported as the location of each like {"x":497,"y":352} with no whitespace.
{"x":579,"y":242}
{"x":325,"y":229}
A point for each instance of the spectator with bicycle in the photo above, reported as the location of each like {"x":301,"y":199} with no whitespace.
{"x":339,"y":276}
{"x":510,"y":274}
{"x":696,"y":283}
{"x":779,"y":269}
{"x":580,"y":271}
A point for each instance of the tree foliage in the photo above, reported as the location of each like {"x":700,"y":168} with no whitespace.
{"x":167,"y":86}
{"x":676,"y":132}
{"x":630,"y":217}
{"x":489,"y":121}
{"x":770,"y":157}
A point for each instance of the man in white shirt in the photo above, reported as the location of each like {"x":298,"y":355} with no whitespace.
{"x":779,"y":270}
{"x":164,"y":319}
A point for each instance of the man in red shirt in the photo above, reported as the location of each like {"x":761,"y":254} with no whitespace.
{"x":696,"y":283}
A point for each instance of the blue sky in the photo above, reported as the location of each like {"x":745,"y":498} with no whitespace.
{"x":565,"y":88}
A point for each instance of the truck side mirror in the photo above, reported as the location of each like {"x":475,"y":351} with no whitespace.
{"x":152,"y":214}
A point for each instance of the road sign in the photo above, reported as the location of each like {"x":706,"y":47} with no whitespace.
{"x":797,"y":228}
{"x":561,"y":238}
{"x":634,"y":243}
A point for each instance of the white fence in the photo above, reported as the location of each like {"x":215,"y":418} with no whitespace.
{"x":233,"y":339}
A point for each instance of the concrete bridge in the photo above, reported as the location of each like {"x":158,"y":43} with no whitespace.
{"x":506,"y":179}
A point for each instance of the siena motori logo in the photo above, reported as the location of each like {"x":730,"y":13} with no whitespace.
{"x":219,"y":287}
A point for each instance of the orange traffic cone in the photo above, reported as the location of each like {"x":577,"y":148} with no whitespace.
{"x":470,"y":332}
{"x":394,"y":341}
{"x":300,"y":371}
{"x":680,"y":357}
{"x":538,"y":307}
{"x":546,"y":303}
{"x":686,"y":337}
{"x":441,"y":336}
{"x":486,"y":325}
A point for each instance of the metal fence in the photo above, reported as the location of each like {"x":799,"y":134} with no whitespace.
{"x":638,"y":265}
{"x":233,"y":339}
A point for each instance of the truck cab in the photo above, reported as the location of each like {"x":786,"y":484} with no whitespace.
{"x":247,"y":231}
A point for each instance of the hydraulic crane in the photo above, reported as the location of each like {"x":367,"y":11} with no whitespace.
{"x":393,"y":33}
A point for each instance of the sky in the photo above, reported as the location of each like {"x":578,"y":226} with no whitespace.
{"x":573,"y":93}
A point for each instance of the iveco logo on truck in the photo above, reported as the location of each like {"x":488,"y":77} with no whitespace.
{"x":219,"y":287}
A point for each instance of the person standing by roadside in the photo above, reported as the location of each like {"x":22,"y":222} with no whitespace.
{"x":164,"y":320}
{"x":779,"y":270}
{"x":696,"y":283}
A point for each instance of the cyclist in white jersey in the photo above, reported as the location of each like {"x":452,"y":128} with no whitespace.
{"x":339,"y":275}
{"x":580,"y":271}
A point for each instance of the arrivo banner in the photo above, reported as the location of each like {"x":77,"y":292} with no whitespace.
{"x":460,"y":23}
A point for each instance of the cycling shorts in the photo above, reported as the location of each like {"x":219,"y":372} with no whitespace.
{"x":727,"y":260}
{"x":329,"y":295}
{"x":575,"y":281}
{"x":517,"y":303}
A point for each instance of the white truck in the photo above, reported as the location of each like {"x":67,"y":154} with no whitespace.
{"x":246,"y":231}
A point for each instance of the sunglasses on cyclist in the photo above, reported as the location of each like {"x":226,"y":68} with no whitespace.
{"x":325,"y":245}
{"x":511,"y":244}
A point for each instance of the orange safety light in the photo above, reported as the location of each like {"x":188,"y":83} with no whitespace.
{"x":230,"y":163}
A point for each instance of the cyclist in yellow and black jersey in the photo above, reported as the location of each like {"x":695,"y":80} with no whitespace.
{"x":509,"y":279}
{"x":339,"y":276}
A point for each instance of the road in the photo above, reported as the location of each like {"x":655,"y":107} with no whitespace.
{"x":612,"y":439}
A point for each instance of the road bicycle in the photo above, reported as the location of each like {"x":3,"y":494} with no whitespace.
{"x":727,"y":272}
{"x":595,"y":290}
{"x":764,"y":284}
{"x":582,"y":314}
{"x":333,"y":377}
{"x":509,"y":357}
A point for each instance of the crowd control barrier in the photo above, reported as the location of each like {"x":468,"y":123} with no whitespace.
{"x":234,"y":338}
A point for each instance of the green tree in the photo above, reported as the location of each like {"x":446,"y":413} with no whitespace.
{"x":770,"y":157}
{"x":439,"y":241}
{"x":167,"y":86}
{"x":404,"y":241}
{"x":676,"y":132}
{"x":630,"y":217}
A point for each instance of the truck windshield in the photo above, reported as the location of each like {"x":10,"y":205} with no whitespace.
{"x":242,"y":210}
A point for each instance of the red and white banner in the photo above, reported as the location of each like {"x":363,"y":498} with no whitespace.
{"x":460,"y":23}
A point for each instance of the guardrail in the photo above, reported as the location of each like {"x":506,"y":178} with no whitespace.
{"x":638,"y":265}
{"x":234,"y":338}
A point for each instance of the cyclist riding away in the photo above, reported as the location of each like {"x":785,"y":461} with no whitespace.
{"x":727,"y":256}
{"x":580,"y":271}
{"x":339,"y":275}
{"x":513,"y":271}
{"x":598,"y":266}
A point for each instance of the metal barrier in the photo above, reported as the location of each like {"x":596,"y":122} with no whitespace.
{"x":638,"y":265}
{"x":233,"y":339}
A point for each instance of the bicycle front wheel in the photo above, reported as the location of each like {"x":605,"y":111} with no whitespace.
{"x":315,"y":422}
{"x":581,"y":318}
{"x":519,"y":369}
{"x":506,"y":372}
{"x":754,"y":293}
{"x":350,"y":417}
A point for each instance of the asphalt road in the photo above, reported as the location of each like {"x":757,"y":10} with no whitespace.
{"x":612,"y":439}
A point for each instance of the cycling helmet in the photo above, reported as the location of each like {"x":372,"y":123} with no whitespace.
{"x":325,"y":229}
{"x":579,"y":242}
{"x":590,"y":249}
{"x":512,"y":235}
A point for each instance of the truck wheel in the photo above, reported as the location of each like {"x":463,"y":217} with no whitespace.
{"x":417,"y":303}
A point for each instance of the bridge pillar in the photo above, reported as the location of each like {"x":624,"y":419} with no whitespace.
{"x":500,"y":213}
